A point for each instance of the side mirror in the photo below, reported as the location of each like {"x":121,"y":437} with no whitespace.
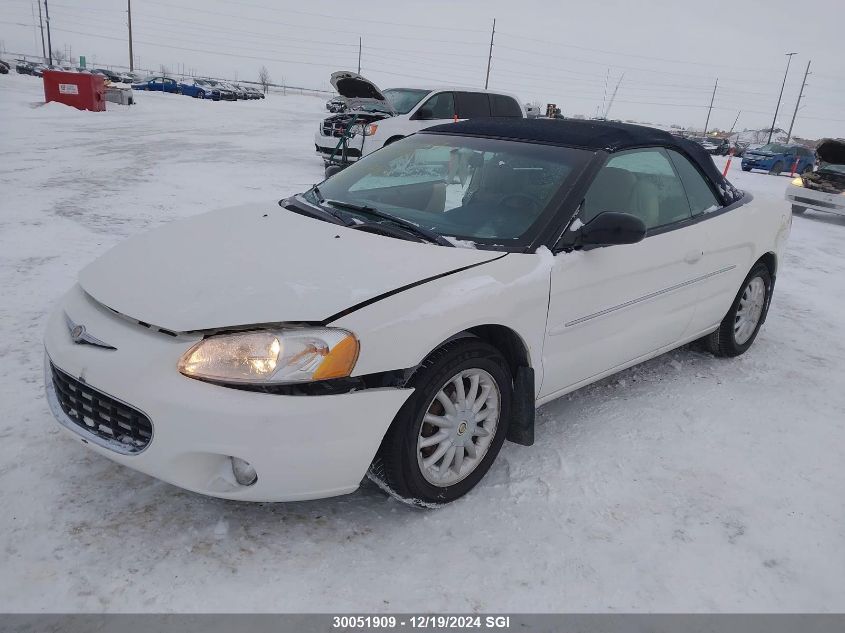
{"x":425,"y":114}
{"x":331,"y":170}
{"x":606,"y":229}
{"x":611,"y":228}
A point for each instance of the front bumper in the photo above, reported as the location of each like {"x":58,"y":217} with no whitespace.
{"x":816,"y":200}
{"x":302,"y":447}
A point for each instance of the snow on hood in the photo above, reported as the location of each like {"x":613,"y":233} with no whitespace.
{"x":258,"y":264}
{"x":359,"y":91}
{"x":831,"y":151}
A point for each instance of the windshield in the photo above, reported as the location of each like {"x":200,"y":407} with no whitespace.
{"x":403,"y":100}
{"x":832,"y":168}
{"x":484,"y":191}
{"x":774,"y":148}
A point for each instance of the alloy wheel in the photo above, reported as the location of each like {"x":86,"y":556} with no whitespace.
{"x":458,"y":426}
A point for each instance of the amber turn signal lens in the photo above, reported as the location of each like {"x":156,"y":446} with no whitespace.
{"x":340,"y":361}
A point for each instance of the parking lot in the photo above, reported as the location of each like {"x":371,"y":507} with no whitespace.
{"x":688,"y":483}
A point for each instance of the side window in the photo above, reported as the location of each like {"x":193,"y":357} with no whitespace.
{"x":440,"y":106}
{"x":700,"y":195}
{"x":473,"y":105}
{"x":641,"y":182}
{"x":501,"y":105}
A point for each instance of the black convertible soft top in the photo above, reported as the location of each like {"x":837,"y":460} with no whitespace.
{"x":606,"y":136}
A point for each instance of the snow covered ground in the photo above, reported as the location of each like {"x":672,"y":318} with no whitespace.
{"x":688,"y":483}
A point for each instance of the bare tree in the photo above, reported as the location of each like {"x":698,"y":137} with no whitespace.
{"x":58,"y":56}
{"x":165,"y":71}
{"x":264,"y":78}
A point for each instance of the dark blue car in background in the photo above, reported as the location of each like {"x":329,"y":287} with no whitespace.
{"x":776,"y":158}
{"x":160,"y":84}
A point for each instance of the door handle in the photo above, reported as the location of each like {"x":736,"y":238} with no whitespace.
{"x":693,"y":256}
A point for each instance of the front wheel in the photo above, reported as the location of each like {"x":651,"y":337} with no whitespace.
{"x":777,"y":168}
{"x":449,"y":431}
{"x":741,"y":324}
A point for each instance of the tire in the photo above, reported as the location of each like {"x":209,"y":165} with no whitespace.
{"x":798,"y":210}
{"x":777,"y":168}
{"x":399,"y":467}
{"x":746,"y":169}
{"x":726,"y":340}
{"x":200,"y":95}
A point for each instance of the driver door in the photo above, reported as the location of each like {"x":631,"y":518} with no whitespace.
{"x":610,"y":306}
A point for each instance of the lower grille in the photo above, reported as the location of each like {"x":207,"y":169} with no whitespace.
{"x":123,"y":427}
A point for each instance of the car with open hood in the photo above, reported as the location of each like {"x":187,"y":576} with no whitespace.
{"x":823,"y":189}
{"x":405,"y":317}
{"x":372,"y":118}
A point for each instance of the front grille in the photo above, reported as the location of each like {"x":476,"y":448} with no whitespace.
{"x":816,"y":203}
{"x":128,"y":429}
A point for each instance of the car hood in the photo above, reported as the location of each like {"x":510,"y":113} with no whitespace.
{"x":258,"y":264}
{"x":831,"y":151}
{"x":359,"y":91}
{"x":754,"y":152}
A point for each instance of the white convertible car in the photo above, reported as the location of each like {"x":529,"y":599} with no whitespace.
{"x":405,"y":317}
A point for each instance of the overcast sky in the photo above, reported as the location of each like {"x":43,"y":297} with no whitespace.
{"x":566,"y":52}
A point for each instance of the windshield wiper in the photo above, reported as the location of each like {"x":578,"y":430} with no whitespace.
{"x":318,"y":212}
{"x":407,"y":225}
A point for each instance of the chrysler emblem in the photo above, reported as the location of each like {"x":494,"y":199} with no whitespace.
{"x":80,"y":336}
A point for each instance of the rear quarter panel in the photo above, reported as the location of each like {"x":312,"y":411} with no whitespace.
{"x":737,"y":238}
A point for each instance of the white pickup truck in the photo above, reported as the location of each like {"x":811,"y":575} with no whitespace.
{"x":376,"y":118}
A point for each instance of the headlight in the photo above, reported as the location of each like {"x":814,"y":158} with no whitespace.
{"x":273,"y":357}
{"x":367,"y":129}
{"x":798,"y":181}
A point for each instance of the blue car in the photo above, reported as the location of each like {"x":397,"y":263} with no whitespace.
{"x":776,"y":158}
{"x":159,"y":84}
{"x":199,"y":89}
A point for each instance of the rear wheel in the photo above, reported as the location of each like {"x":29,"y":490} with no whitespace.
{"x":741,"y":324}
{"x":798,"y":210}
{"x":746,"y":169}
{"x":777,"y":168}
{"x":447,"y":434}
{"x":200,"y":95}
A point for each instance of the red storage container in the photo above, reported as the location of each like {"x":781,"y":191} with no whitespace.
{"x":80,"y":90}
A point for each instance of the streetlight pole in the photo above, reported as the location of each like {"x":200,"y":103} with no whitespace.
{"x":783,"y":85}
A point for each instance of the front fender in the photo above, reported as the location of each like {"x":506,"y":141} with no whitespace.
{"x":399,"y":331}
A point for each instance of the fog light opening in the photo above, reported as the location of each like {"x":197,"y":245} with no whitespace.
{"x":244,"y":473}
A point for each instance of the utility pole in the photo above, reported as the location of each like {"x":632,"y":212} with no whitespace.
{"x":710,"y":109}
{"x":783,"y":85}
{"x":41,"y":22}
{"x":49,"y":41}
{"x":613,"y":96}
{"x":359,"y":54}
{"x":735,"y":122}
{"x":490,"y":55}
{"x":129,"y":15}
{"x":797,"y":103}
